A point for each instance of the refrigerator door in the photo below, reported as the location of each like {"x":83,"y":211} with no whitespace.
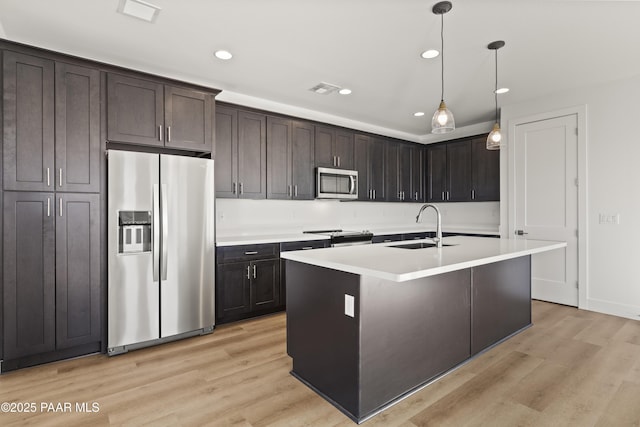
{"x":133,"y":213}
{"x":187,"y":264}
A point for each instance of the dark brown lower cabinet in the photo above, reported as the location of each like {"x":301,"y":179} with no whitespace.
{"x":51,"y":267}
{"x":247,"y":281}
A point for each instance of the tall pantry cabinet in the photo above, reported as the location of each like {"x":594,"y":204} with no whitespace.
{"x":51,"y":249}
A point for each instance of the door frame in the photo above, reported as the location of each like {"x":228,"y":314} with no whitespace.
{"x":508,"y":188}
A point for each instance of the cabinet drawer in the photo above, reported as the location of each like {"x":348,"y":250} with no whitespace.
{"x":419,"y":236}
{"x":307,"y":244}
{"x":227,"y":254}
{"x":385,"y":238}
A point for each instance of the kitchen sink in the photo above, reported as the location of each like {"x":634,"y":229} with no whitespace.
{"x":418,"y":245}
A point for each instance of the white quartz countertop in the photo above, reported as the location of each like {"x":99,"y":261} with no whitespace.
{"x":399,"y":265}
{"x":253,"y":239}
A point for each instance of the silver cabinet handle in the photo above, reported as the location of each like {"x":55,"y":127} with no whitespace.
{"x":235,"y":188}
{"x":335,"y":162}
{"x":60,"y":177}
{"x":307,"y":248}
{"x":288,"y":191}
{"x":338,"y":161}
{"x":254,"y":271}
{"x":520,"y":233}
{"x":248,"y":272}
{"x":48,"y":206}
{"x":447,"y":195}
{"x":251,"y":253}
{"x":165,"y":230}
{"x":160,"y":133}
{"x":473,"y":194}
{"x":295,"y":190}
{"x":374,"y":194}
{"x":241,"y":189}
{"x":60,"y":207}
{"x":155,"y":238}
{"x":168,"y":133}
{"x":416,"y":196}
{"x":443,"y":195}
{"x":48,"y":178}
{"x":387,"y":240}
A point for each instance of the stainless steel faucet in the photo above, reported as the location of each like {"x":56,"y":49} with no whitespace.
{"x":438,"y":238}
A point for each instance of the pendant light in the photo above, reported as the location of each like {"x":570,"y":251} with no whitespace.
{"x":494,"y":138}
{"x":442,"y":121}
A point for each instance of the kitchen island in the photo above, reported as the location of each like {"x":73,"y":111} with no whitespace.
{"x":369,"y":325}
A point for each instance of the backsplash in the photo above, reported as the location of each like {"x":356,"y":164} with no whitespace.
{"x":243,"y":216}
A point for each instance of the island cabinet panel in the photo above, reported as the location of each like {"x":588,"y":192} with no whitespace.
{"x":321,"y":339}
{"x":501,"y":295}
{"x":411,"y":332}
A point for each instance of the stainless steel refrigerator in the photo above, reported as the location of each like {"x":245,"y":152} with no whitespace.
{"x":161,"y":245}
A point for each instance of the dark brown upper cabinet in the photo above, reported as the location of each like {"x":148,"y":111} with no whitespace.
{"x":77,"y":152}
{"x":404,"y":173}
{"x":28,"y":115}
{"x":369,"y":155}
{"x":463,"y":171}
{"x":486,"y":171}
{"x":290,"y":159}
{"x":392,"y":180}
{"x":418,"y":174}
{"x":37,"y":158}
{"x":151,"y":113}
{"x":241,"y":154}
{"x":333,"y":147}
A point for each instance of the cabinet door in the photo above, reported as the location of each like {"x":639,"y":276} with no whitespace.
{"x":279,"y":158}
{"x":361,"y":163}
{"x":392,"y":185}
{"x":377,"y":168}
{"x":437,"y":173}
{"x":417,"y":174}
{"x":28,"y":114}
{"x":265,"y":285}
{"x":302,"y":160}
{"x":135,"y":110}
{"x":29,"y":274}
{"x":344,"y":149}
{"x":187,"y":117}
{"x":233,"y":289}
{"x":77,"y":269}
{"x":485,"y":171}
{"x":459,"y":171}
{"x":77,"y":152}
{"x":324,"y":141}
{"x":226,"y":156}
{"x":405,"y":167}
{"x":252,"y":155}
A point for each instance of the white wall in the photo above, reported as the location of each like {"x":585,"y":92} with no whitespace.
{"x":613,"y":187}
{"x":238,"y":217}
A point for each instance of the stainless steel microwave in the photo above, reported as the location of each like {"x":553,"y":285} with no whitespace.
{"x":336,"y":184}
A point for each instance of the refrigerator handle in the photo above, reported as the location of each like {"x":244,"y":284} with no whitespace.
{"x":165,"y":232}
{"x":156,"y":232}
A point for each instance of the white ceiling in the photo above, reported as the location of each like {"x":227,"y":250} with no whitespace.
{"x":284,"y":47}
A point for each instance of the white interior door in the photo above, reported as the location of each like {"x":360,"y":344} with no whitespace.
{"x":546,"y":203}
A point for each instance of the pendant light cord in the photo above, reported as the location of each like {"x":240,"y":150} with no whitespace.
{"x":495,"y":92}
{"x":442,"y":57}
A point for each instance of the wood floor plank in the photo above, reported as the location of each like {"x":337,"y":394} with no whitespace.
{"x":571,"y":368}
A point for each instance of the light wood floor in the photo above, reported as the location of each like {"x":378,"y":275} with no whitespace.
{"x":572,"y":368}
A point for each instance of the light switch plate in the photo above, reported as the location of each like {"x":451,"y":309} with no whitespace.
{"x":349,"y":305}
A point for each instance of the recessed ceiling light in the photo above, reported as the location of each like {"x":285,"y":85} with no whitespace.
{"x":418,"y":114}
{"x":502,"y":90}
{"x":344,"y":91}
{"x":139,"y":9}
{"x":223,"y":54}
{"x":430,"y":54}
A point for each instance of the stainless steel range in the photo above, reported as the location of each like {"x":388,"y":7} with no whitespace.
{"x":345,"y":238}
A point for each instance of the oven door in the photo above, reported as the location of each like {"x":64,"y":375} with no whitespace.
{"x":336,"y":184}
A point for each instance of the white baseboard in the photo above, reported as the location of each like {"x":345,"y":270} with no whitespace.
{"x":614,"y":309}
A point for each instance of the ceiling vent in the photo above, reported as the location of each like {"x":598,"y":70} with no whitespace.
{"x":324,"y":88}
{"x":139,"y":9}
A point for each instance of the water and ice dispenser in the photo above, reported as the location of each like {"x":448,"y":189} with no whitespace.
{"x":134,"y":232}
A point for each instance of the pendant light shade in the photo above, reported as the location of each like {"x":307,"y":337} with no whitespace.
{"x":442,"y":121}
{"x":495,"y":136}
